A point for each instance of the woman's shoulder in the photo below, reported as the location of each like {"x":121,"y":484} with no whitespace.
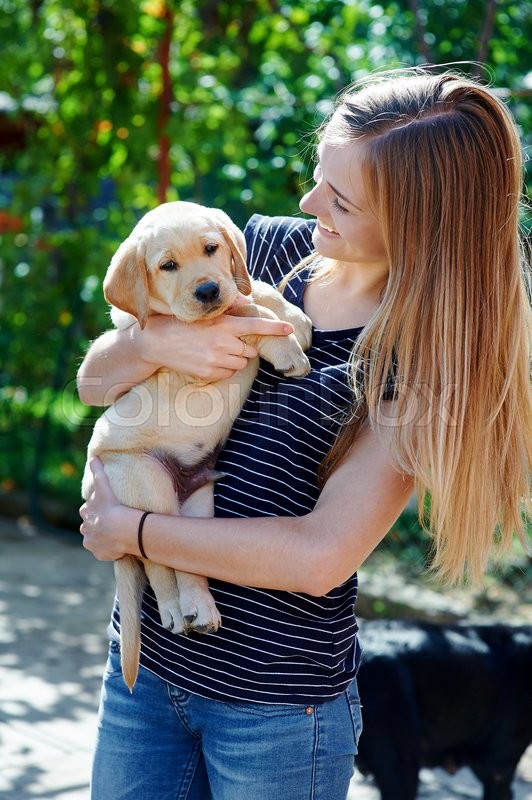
{"x":276,"y":244}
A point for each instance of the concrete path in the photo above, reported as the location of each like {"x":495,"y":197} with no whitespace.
{"x":54,"y":606}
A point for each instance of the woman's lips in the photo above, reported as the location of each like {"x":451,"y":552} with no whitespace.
{"x":325,"y":230}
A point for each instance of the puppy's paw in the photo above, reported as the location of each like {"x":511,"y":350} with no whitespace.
{"x":297,"y":368}
{"x":171,"y":617}
{"x":285,"y":355}
{"x":302,"y":326}
{"x":202,"y":616}
{"x":269,"y":297}
{"x":290,"y":359}
{"x":203,"y":623}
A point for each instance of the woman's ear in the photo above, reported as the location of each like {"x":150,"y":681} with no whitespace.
{"x":126,"y":282}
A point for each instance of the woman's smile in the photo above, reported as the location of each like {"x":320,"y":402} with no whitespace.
{"x":325,"y":230}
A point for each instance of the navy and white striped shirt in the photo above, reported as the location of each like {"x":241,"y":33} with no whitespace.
{"x":273,"y":646}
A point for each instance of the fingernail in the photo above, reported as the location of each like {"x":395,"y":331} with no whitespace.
{"x":288,"y":329}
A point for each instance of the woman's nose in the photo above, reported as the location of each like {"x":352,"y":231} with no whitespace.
{"x":310,"y":203}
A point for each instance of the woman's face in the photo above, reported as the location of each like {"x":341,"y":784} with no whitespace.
{"x":347,"y":230}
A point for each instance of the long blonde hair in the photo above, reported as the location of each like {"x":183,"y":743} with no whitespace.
{"x":443,"y":172}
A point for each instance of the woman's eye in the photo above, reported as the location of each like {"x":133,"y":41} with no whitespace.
{"x":169,"y":266}
{"x":336,"y":205}
{"x":211,"y":248}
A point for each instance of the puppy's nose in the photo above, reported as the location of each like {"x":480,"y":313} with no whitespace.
{"x":207,"y":292}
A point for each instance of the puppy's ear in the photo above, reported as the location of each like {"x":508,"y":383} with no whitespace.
{"x":126,"y":282}
{"x":236,"y":241}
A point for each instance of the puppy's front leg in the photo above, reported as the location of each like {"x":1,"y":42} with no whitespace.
{"x":284,"y":352}
{"x":197,"y":603}
{"x":163,"y":582}
{"x":268,"y":297}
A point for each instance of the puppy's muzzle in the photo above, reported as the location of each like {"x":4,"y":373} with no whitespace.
{"x":207,"y":293}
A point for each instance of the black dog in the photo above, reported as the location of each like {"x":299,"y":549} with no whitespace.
{"x":447,"y":696}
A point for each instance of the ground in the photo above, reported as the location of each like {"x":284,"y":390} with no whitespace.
{"x":54,"y":607}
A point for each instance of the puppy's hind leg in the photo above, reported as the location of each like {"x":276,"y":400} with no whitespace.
{"x":197,"y":603}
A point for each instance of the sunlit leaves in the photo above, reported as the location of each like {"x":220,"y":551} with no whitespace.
{"x":251,"y":79}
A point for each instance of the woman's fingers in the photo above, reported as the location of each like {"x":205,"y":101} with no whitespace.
{"x":245,"y":350}
{"x":96,"y":467}
{"x":259,"y":326}
{"x":102,"y":496}
{"x":101,"y":513}
{"x":210,"y":350}
{"x":101,"y":481}
{"x":227,"y":352}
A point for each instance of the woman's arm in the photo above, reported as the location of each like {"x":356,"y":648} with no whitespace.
{"x":208,"y":350}
{"x":310,"y":554}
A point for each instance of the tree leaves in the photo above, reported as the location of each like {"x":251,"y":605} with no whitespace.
{"x":100,"y":117}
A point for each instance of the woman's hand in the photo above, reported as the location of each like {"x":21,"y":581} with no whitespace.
{"x":208,"y":350}
{"x":106,"y":522}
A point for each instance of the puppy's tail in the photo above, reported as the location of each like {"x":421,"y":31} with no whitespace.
{"x":130,"y":583}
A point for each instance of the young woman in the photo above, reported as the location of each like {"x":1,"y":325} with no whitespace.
{"x":411,"y":273}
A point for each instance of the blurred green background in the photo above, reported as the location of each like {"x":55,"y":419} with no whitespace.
{"x":107,"y":108}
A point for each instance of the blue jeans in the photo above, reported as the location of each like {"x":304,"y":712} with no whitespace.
{"x":162,"y":743}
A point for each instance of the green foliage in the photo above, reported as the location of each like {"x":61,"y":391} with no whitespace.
{"x":84,"y":116}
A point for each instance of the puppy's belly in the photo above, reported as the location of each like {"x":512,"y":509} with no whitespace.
{"x":169,"y":413}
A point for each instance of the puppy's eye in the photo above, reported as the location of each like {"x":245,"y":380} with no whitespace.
{"x":211,"y":248}
{"x":169,"y":266}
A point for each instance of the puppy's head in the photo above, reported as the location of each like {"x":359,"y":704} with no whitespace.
{"x":181,"y":259}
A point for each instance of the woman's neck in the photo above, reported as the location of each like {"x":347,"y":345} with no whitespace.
{"x":346,"y":296}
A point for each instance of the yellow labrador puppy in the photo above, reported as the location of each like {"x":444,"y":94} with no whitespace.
{"x":159,"y":440}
